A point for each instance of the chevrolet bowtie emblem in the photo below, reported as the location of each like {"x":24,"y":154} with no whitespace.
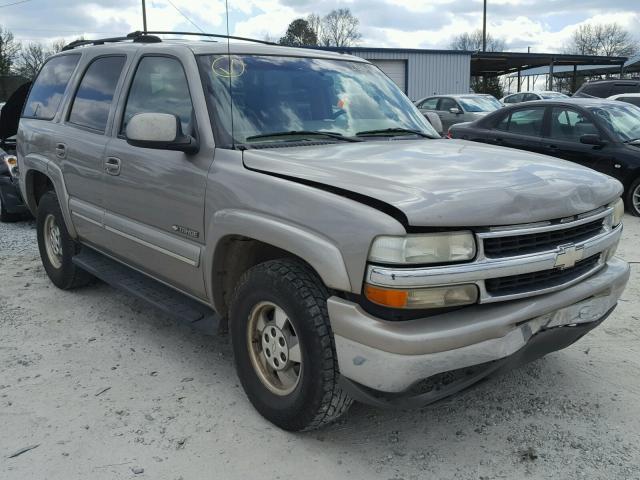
{"x":568,"y":256}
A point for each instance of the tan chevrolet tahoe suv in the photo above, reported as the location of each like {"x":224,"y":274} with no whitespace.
{"x":298,"y":198}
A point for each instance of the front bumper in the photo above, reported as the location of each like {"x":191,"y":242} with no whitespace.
{"x":391,"y":357}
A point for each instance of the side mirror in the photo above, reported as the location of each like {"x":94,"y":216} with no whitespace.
{"x":592,"y":139}
{"x":161,"y":131}
{"x":455,"y":110}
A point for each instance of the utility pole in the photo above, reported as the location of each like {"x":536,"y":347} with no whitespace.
{"x":144,"y":17}
{"x":528,"y":76}
{"x":484,"y":27}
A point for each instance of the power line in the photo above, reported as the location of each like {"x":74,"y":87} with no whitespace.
{"x":180,"y":12}
{"x":14,"y":3}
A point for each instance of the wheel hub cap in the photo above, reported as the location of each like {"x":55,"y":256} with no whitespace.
{"x":274,"y":348}
{"x":53,"y":241}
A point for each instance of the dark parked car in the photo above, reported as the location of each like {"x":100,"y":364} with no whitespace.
{"x":600,"y":134}
{"x":12,"y":206}
{"x":607,"y":88}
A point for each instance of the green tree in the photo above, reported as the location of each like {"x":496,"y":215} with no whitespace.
{"x":299,"y":34}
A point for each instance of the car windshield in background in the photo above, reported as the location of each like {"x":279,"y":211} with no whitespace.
{"x":479,"y":104}
{"x":622,"y":120}
{"x":548,"y":95}
{"x":304,"y":99}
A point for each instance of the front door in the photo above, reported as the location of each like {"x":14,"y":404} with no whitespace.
{"x":445,"y":104}
{"x":566,"y":126}
{"x":154,"y":199}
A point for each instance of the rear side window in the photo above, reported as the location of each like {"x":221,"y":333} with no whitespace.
{"x":600,"y":90}
{"x":619,"y":88}
{"x":160,"y":86}
{"x":429,"y":104}
{"x":48,"y":89}
{"x":632,"y":100}
{"x":447,"y":103}
{"x":92,"y":102}
{"x":524,"y":122}
{"x":530,"y":97}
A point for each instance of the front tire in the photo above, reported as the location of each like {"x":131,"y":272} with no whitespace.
{"x":633,"y":198}
{"x":56,"y":246}
{"x":283,"y":346}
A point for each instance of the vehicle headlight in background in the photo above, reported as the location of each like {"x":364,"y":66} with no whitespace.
{"x":422,"y":298}
{"x":618,"y":212}
{"x":12,"y":164}
{"x":441,"y":247}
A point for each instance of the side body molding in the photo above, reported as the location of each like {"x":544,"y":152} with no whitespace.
{"x":314,"y":248}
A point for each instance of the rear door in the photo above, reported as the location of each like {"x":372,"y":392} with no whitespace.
{"x":81,"y":148}
{"x":522,"y":128}
{"x":154,"y":199}
{"x":566,"y":126}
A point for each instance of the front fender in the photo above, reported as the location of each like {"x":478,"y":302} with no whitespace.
{"x":314,"y":248}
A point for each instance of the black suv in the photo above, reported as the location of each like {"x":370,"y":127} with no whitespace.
{"x":607,"y":88}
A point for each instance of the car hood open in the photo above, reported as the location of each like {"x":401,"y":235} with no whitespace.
{"x":445,"y":183}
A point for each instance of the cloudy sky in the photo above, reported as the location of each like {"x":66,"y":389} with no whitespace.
{"x":545,"y":25}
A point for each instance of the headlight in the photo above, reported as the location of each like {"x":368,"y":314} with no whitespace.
{"x":424,"y":248}
{"x":12,"y":164}
{"x":618,"y":212}
{"x":436,"y":297}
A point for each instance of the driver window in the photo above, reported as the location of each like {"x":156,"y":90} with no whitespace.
{"x":570,"y":125}
{"x":429,"y":104}
{"x":160,"y":86}
{"x":447,"y":103}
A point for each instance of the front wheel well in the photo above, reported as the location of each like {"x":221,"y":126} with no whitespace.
{"x":235,"y":254}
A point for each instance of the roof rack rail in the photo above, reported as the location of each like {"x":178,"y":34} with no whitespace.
{"x":199,"y":34}
{"x":138,"y":37}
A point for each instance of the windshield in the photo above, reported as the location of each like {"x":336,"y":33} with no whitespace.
{"x":479,"y":103}
{"x":622,"y":120}
{"x":286,"y":94}
{"x":547,"y":95}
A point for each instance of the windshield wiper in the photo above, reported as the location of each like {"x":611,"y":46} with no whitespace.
{"x":633,"y":140}
{"x":397,"y":130}
{"x":294,"y":133}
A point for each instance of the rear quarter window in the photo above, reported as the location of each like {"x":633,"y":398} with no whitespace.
{"x":600,"y":90}
{"x":49,"y":87}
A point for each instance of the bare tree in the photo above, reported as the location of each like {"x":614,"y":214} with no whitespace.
{"x":472,"y":41}
{"x":9,"y":49}
{"x":31,"y":58}
{"x":315,"y":23}
{"x":340,"y":28}
{"x":58,"y":45}
{"x":609,"y":39}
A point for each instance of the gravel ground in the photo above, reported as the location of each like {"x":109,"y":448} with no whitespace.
{"x":105,"y":388}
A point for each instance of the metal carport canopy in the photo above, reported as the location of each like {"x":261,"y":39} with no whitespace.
{"x":493,"y":64}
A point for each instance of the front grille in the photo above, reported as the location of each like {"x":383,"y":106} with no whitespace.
{"x":535,"y":242}
{"x":529,"y":282}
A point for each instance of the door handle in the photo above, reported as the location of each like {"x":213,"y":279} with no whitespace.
{"x":552,"y":147}
{"x":61,"y":150}
{"x":112,"y":166}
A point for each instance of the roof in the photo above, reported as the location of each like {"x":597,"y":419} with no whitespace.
{"x":501,"y":63}
{"x":203,"y":47}
{"x":631,"y":65}
{"x":578,"y":101}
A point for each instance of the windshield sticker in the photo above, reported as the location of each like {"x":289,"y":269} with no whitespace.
{"x":226,"y":66}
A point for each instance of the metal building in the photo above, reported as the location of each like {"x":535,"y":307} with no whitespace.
{"x":420,"y":73}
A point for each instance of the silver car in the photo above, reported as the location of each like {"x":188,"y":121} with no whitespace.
{"x":531,"y":96}
{"x":454,"y":109}
{"x":298,"y":199}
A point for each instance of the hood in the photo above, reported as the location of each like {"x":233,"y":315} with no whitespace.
{"x":446,"y":183}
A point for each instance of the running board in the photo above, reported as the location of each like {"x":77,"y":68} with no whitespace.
{"x":168,"y":300}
